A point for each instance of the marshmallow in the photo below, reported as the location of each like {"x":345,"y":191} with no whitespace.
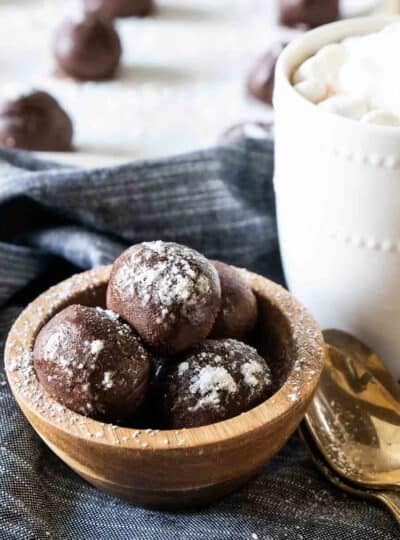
{"x":312,"y":89}
{"x":323,"y":66}
{"x":330,"y":59}
{"x":363,"y":71}
{"x":307,"y":70}
{"x":347,"y":106}
{"x":381,"y":117}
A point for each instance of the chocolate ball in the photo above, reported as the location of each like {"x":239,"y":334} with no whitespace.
{"x":121,"y":8}
{"x":170,"y":293}
{"x":308,"y":12}
{"x":238,"y":314}
{"x":246,"y":130}
{"x":92,"y":363}
{"x":88,"y":49}
{"x":215,"y":381}
{"x":261,"y":80}
{"x":35,"y":121}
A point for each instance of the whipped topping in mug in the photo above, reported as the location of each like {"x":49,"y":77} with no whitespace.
{"x":358,"y":78}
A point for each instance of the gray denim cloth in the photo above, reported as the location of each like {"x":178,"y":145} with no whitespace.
{"x":58,"y":220}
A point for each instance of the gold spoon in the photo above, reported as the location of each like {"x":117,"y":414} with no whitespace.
{"x":355,"y":415}
{"x":389,"y":499}
{"x":358,"y":350}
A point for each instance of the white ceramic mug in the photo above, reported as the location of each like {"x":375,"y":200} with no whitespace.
{"x":337,"y":185}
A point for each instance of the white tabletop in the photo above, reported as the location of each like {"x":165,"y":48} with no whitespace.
{"x":181,"y":83}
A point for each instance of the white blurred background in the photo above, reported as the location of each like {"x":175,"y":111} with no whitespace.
{"x":182,"y":80}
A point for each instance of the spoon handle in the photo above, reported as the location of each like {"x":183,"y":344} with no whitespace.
{"x":392,"y":501}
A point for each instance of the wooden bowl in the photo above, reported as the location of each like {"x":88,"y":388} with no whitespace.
{"x":182,"y":468}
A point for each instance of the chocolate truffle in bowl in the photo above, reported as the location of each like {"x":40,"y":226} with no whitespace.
{"x":260,"y":82}
{"x":238,"y":314}
{"x":121,"y":8}
{"x":169,"y":293}
{"x":87,"y":48}
{"x":217,"y":380}
{"x":92,"y":363}
{"x":34,"y":121}
{"x":308,"y":12}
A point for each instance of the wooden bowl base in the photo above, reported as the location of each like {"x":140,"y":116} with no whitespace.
{"x":172,"y":499}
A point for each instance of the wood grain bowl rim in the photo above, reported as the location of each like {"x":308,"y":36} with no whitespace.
{"x":302,"y":380}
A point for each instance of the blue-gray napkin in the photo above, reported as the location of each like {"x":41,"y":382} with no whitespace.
{"x":55,"y":221}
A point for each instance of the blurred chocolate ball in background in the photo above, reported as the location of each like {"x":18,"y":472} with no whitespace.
{"x":35,"y":121}
{"x":121,"y":8}
{"x":260,"y":82}
{"x":88,"y":48}
{"x":308,"y":12}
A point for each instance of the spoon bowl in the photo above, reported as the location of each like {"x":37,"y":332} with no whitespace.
{"x":362,"y":353}
{"x":355,"y":415}
{"x":390,"y":499}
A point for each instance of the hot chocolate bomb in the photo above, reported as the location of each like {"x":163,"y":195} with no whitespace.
{"x":309,"y":12}
{"x":260,"y":83}
{"x":36,"y":122}
{"x":169,"y":293}
{"x":238,"y":313}
{"x":93,"y":363}
{"x":217,"y":380}
{"x":121,"y":8}
{"x":87,"y":49}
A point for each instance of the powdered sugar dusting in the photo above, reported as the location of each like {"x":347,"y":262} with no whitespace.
{"x":209,"y":383}
{"x":108,"y":380}
{"x":108,"y":313}
{"x":96,"y":346}
{"x":182,"y":367}
{"x":53,"y":345}
{"x":22,"y":363}
{"x":252,"y":372}
{"x":171,"y":277}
